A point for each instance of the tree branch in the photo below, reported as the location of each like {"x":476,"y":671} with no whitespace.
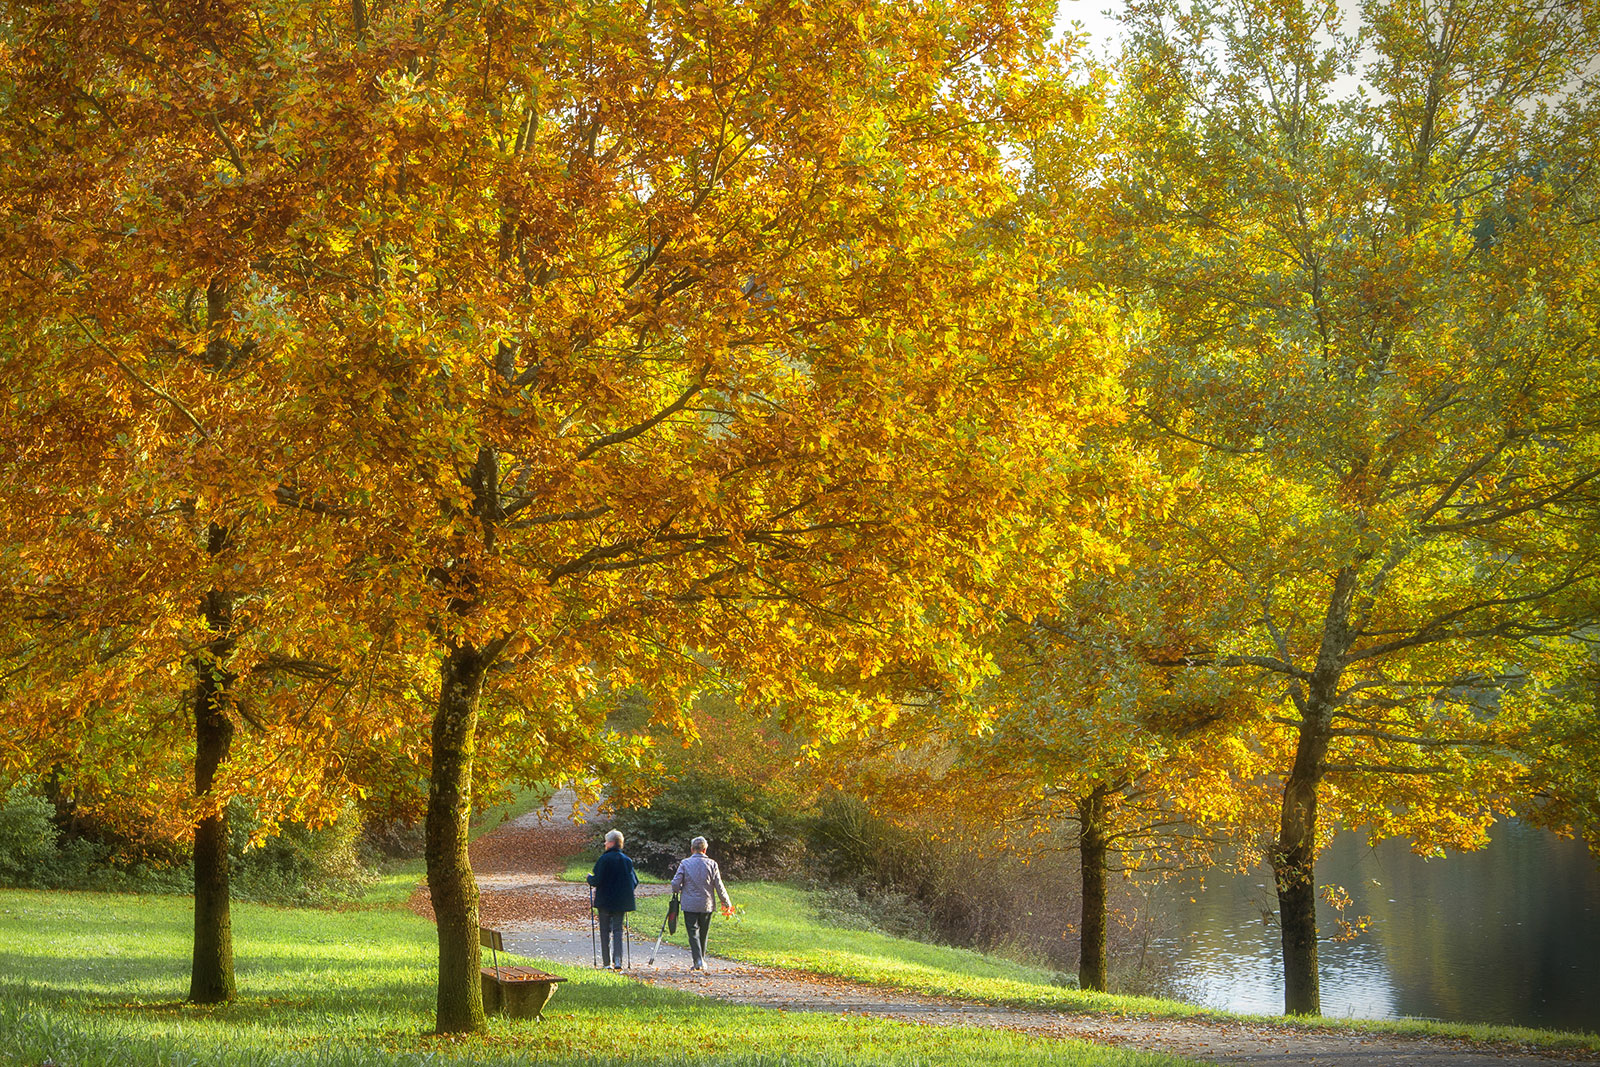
{"x":634,"y":431}
{"x":173,"y":401}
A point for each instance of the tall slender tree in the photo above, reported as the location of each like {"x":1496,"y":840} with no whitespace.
{"x":1376,"y":318}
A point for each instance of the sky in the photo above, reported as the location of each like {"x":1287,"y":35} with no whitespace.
{"x":1097,"y":17}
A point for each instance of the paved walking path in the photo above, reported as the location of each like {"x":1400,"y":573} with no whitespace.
{"x":518,"y":864}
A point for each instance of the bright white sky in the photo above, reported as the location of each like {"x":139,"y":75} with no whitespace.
{"x":1097,"y":18}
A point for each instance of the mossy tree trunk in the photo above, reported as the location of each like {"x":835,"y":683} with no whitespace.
{"x":1294,"y":869}
{"x":450,"y":879}
{"x":1092,"y":851}
{"x":1294,"y":855}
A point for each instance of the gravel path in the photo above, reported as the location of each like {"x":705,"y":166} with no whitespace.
{"x":518,"y":864}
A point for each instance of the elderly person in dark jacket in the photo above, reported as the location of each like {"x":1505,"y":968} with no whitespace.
{"x":614,"y":881}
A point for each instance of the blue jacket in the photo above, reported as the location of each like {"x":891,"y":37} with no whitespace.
{"x":613,"y":880}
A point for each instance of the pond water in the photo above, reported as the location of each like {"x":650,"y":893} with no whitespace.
{"x":1510,"y":934}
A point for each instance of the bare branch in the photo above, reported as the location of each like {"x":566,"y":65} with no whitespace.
{"x":173,"y":401}
{"x":1383,"y":768}
{"x":1425,"y":742}
{"x":1437,"y":629}
{"x":634,"y":431}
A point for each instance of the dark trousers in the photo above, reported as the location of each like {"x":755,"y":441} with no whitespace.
{"x":697,"y":923}
{"x":610,"y":936}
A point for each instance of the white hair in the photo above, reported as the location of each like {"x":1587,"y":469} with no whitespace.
{"x":697,"y":845}
{"x":614,"y":837}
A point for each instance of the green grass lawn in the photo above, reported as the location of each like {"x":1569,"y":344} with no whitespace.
{"x":97,"y":980}
{"x":779,"y":925}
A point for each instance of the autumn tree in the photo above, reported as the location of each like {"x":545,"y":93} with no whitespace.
{"x":613,"y":342}
{"x":1097,"y":722}
{"x":164,"y":566}
{"x":1375,"y":317}
{"x":1094,"y":716}
{"x":149,"y":605}
{"x":114,"y":669}
{"x":145,"y":434}
{"x":1094,"y":724}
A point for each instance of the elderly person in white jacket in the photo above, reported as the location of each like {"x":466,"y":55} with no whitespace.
{"x":700,"y":883}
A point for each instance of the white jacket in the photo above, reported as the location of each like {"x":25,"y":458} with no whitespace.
{"x":698,"y":879}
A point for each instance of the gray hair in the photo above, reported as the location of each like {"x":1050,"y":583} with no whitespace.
{"x":614,"y":837}
{"x":697,"y":845}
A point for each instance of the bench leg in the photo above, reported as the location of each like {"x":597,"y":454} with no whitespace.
{"x":493,"y":1002}
{"x":526,"y":1000}
{"x":516,"y":1000}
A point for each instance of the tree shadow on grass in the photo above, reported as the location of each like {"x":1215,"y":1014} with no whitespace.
{"x":91,"y":978}
{"x":151,"y":985}
{"x":331,"y":984}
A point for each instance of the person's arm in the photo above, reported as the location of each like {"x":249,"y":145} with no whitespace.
{"x":677,"y":883}
{"x":633,"y":872}
{"x":722,"y":890}
{"x":594,"y":875}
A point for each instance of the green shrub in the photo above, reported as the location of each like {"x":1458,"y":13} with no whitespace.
{"x":73,"y":862}
{"x":298,"y":865}
{"x":27,"y":836}
{"x":934,"y":878}
{"x":859,"y":848}
{"x":392,"y":839}
{"x":752,"y":826}
{"x":885,"y":910}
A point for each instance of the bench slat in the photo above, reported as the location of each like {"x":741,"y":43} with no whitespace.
{"x":521,"y":974}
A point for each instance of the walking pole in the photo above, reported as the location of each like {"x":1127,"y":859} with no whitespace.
{"x":594,"y":945}
{"x":651,"y":962}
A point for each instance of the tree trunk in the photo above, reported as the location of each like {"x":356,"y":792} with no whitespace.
{"x":450,"y":880}
{"x":1294,"y":856}
{"x":1294,"y":869}
{"x":211,"y":978}
{"x":1092,"y":922}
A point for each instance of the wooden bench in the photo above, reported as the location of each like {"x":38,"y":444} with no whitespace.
{"x":517,"y":992}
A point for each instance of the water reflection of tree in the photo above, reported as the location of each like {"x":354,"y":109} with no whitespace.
{"x":1506,"y":934}
{"x":1496,"y":935}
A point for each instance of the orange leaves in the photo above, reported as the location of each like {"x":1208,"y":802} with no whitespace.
{"x":621,"y":342}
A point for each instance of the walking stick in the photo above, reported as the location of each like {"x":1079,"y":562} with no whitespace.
{"x":651,"y":962}
{"x":594,"y":945}
{"x":668,"y":921}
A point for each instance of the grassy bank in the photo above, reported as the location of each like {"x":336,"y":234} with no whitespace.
{"x":96,"y":980}
{"x":779,"y":925}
